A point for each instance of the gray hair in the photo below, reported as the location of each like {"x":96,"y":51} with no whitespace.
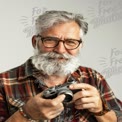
{"x":53,"y":17}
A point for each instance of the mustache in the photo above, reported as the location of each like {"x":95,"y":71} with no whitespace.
{"x":54,"y":55}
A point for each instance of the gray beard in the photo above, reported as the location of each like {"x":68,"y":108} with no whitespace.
{"x":50,"y":65}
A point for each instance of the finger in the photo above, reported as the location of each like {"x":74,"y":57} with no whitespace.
{"x":85,"y":106}
{"x":81,"y":86}
{"x":82,"y":94}
{"x":84,"y":100}
{"x":54,"y":114}
{"x":59,"y":99}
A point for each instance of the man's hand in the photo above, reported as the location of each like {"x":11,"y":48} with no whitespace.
{"x":88,"y":98}
{"x":44,"y":109}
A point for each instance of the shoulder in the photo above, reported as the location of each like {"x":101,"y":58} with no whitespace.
{"x":12,"y":73}
{"x":88,"y":74}
{"x":83,"y":68}
{"x":87,"y":70}
{"x":19,"y":72}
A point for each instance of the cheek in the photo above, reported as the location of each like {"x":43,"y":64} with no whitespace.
{"x":73,"y":52}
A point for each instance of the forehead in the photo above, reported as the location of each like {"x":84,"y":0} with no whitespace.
{"x":67,"y":29}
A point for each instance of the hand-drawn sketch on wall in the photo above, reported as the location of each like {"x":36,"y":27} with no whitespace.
{"x":112,"y":65}
{"x":29,"y":21}
{"x":105,"y":11}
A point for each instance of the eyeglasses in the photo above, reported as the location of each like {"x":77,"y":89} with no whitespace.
{"x":52,"y":42}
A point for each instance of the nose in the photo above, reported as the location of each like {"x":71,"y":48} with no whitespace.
{"x":60,"y":48}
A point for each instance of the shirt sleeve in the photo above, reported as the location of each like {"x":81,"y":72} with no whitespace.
{"x":108,"y":95}
{"x":3,"y":105}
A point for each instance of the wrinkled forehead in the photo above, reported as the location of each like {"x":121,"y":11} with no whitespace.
{"x":64,"y":29}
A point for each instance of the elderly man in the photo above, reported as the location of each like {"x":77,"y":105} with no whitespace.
{"x":57,"y":43}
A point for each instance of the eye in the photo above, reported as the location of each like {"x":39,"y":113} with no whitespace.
{"x":49,"y":40}
{"x":71,"y":42}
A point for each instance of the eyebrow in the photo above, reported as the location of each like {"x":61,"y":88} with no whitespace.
{"x":61,"y":39}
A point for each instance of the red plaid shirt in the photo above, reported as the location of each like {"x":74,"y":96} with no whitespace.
{"x":19,"y":84}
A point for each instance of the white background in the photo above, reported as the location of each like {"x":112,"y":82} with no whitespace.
{"x":102,"y":45}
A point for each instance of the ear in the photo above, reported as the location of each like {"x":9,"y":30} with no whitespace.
{"x":34,"y":41}
{"x":82,"y":44}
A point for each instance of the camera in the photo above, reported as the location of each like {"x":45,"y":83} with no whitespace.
{"x":53,"y":92}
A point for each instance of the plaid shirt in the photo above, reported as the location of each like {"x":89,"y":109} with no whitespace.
{"x":19,"y":84}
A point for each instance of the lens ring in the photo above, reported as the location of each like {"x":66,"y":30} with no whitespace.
{"x":68,"y":95}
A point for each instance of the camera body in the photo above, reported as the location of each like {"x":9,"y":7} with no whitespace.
{"x":53,"y":92}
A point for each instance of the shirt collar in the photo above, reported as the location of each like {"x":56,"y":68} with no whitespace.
{"x":28,"y":70}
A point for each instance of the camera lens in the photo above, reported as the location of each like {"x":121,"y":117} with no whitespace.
{"x":68,"y":95}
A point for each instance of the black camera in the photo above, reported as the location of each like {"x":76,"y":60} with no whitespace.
{"x":53,"y":92}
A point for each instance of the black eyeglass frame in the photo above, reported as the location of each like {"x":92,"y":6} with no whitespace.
{"x":59,"y":40}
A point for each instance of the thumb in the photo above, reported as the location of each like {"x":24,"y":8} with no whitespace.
{"x":59,"y":98}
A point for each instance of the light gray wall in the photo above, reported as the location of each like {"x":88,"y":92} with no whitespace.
{"x":102,"y":45}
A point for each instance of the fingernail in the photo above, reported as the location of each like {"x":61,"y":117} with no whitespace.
{"x":71,"y":86}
